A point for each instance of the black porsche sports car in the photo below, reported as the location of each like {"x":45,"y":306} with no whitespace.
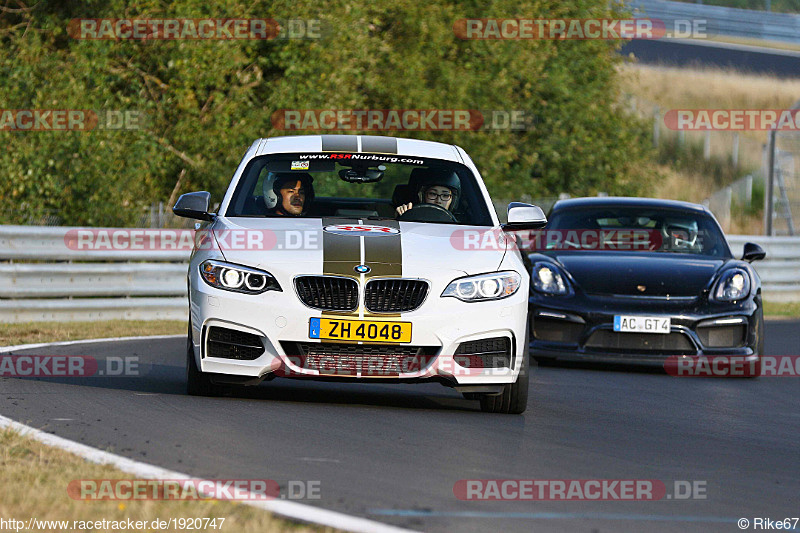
{"x":640,"y":280}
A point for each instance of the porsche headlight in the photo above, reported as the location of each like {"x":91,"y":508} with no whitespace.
{"x":237,"y":278}
{"x":733,"y":284}
{"x":547,"y":278}
{"x":483,"y":287}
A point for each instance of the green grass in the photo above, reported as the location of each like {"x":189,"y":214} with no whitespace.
{"x":688,"y":157}
{"x":782,"y":309}
{"x":35,"y":332}
{"x":35,"y":477}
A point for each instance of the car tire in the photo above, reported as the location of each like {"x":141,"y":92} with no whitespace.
{"x":197,"y":383}
{"x":514,"y":398}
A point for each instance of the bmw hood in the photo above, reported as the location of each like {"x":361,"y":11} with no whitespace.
{"x":640,"y":274}
{"x":348,"y":247}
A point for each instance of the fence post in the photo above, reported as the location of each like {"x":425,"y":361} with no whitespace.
{"x":770,"y":184}
{"x":735,"y":151}
{"x":748,"y":190}
{"x":727,"y":197}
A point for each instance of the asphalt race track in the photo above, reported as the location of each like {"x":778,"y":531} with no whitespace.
{"x":693,"y":53}
{"x":394,"y":452}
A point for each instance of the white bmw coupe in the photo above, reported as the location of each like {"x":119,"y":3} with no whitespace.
{"x":347,"y":257}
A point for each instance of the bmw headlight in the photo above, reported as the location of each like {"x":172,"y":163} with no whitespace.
{"x":733,"y":284}
{"x":549,"y":279}
{"x":237,"y":278}
{"x":483,"y":287}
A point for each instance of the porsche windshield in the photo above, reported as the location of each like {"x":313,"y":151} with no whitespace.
{"x":650,"y":229}
{"x":364,"y":186}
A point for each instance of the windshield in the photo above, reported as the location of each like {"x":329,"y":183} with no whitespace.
{"x":646,"y":229}
{"x":364,"y":186}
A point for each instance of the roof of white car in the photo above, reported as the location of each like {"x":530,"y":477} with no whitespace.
{"x":358,"y":143}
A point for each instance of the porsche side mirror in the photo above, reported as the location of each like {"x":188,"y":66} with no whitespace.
{"x":753,"y":252}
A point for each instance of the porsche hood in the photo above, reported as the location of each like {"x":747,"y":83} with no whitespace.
{"x":640,"y":274}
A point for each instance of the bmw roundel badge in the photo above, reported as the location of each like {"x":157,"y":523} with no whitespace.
{"x":362,"y":269}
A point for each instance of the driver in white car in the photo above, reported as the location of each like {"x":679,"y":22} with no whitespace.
{"x":442,"y":190}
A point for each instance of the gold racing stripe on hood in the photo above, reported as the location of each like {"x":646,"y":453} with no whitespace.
{"x":384,"y":255}
{"x":341,"y":254}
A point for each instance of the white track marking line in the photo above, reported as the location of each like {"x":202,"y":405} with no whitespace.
{"x":293,"y":510}
{"x":287,"y":509}
{"x":4,"y":349}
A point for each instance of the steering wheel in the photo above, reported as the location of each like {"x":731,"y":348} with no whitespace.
{"x":427,"y":213}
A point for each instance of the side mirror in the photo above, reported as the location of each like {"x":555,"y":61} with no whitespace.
{"x":524,"y":216}
{"x":753,"y":252}
{"x":194,"y":205}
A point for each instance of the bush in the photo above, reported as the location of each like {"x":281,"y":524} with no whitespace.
{"x":206,"y":101}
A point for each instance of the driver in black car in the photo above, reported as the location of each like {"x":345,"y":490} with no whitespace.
{"x":441,"y":190}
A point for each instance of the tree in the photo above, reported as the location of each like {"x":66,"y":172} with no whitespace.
{"x":205,"y":101}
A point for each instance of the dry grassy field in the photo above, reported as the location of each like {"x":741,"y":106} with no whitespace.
{"x":647,"y":86}
{"x":35,"y":478}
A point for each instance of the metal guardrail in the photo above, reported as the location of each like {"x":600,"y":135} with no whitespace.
{"x":43,"y":279}
{"x":63,"y":243}
{"x":59,"y":280}
{"x":723,"y":20}
{"x":46,"y":276}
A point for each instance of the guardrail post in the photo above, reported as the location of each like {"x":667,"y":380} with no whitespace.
{"x":770,"y":184}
